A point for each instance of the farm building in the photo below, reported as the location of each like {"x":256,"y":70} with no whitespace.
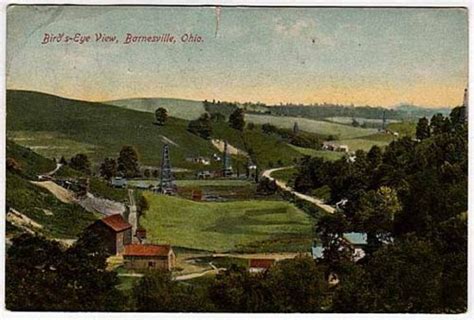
{"x":149,"y":257}
{"x":260,"y":265}
{"x":114,"y":231}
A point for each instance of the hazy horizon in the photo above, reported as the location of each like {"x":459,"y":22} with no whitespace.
{"x":361,"y":56}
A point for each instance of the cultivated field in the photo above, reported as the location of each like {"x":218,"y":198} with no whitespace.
{"x":227,"y":226}
{"x":314,"y":126}
{"x":178,"y":108}
{"x":348,"y":120}
{"x":325,"y":154}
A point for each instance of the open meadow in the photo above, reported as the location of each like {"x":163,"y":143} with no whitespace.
{"x":340,"y":131}
{"x":227,"y":226}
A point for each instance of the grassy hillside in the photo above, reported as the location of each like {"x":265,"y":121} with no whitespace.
{"x":55,"y":126}
{"x":178,"y":108}
{"x":228,"y":226}
{"x":314,"y":126}
{"x":404,"y":128}
{"x":59,"y":220}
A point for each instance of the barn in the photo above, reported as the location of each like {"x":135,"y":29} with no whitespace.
{"x":260,"y":265}
{"x":149,"y":257}
{"x":114,"y":231}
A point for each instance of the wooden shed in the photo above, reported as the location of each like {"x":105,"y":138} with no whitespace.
{"x":149,"y":257}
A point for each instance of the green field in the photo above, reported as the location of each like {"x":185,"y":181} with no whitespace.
{"x":315,"y":126}
{"x":222,"y":227}
{"x":366,"y":142}
{"x":405,"y":128}
{"x":325,"y":154}
{"x":177,"y":108}
{"x":348,"y":120}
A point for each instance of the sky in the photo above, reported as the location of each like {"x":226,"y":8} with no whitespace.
{"x":361,"y":56}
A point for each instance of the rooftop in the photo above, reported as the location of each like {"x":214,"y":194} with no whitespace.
{"x":261,"y":263}
{"x":356,"y":237}
{"x":147,"y":250}
{"x":116,"y":222}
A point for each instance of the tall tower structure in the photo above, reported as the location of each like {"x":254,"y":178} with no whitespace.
{"x":384,"y":120}
{"x":465,"y":104}
{"x":167,"y":185}
{"x":226,"y":162}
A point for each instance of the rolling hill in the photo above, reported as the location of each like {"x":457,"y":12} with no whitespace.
{"x":53,"y":126}
{"x":178,"y":108}
{"x":314,"y":126}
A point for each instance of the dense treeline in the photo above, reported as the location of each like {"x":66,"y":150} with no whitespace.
{"x":297,"y":137}
{"x":324,"y":110}
{"x":411,"y":200}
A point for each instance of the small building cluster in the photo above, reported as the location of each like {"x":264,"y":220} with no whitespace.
{"x":117,"y":237}
{"x":331,"y":146}
{"x":201,"y":160}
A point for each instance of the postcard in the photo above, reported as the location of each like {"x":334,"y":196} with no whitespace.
{"x":236,"y":159}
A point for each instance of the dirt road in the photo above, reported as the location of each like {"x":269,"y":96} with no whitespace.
{"x":318,"y":202}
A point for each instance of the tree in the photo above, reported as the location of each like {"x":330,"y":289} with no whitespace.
{"x":155,"y":173}
{"x":439,"y":124}
{"x":402,"y":277}
{"x":108,"y":168}
{"x":81,"y":163}
{"x":296,"y":129}
{"x":236,"y":119}
{"x":147,"y":173}
{"x":375,"y":215}
{"x":330,"y":229}
{"x":128,"y":162}
{"x":142,"y":205}
{"x":161,"y":116}
{"x":13,"y":165}
{"x":42,"y":276}
{"x":422,"y":129}
{"x":63,"y":161}
{"x":156,"y":291}
{"x":201,"y":126}
{"x":296,"y":285}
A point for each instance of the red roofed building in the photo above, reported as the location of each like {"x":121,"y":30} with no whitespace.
{"x":260,"y":265}
{"x":114,"y":231}
{"x":149,"y":256}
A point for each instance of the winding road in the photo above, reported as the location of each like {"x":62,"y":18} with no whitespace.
{"x":281,"y":184}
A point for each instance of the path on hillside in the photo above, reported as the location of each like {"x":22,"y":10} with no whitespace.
{"x":58,"y":166}
{"x":281,"y":184}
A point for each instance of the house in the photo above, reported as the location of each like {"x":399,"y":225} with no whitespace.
{"x":149,"y":257}
{"x":330,"y":146}
{"x":118,"y":182}
{"x":260,"y":265}
{"x":114,"y":231}
{"x":317,"y":251}
{"x":358,"y":242}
